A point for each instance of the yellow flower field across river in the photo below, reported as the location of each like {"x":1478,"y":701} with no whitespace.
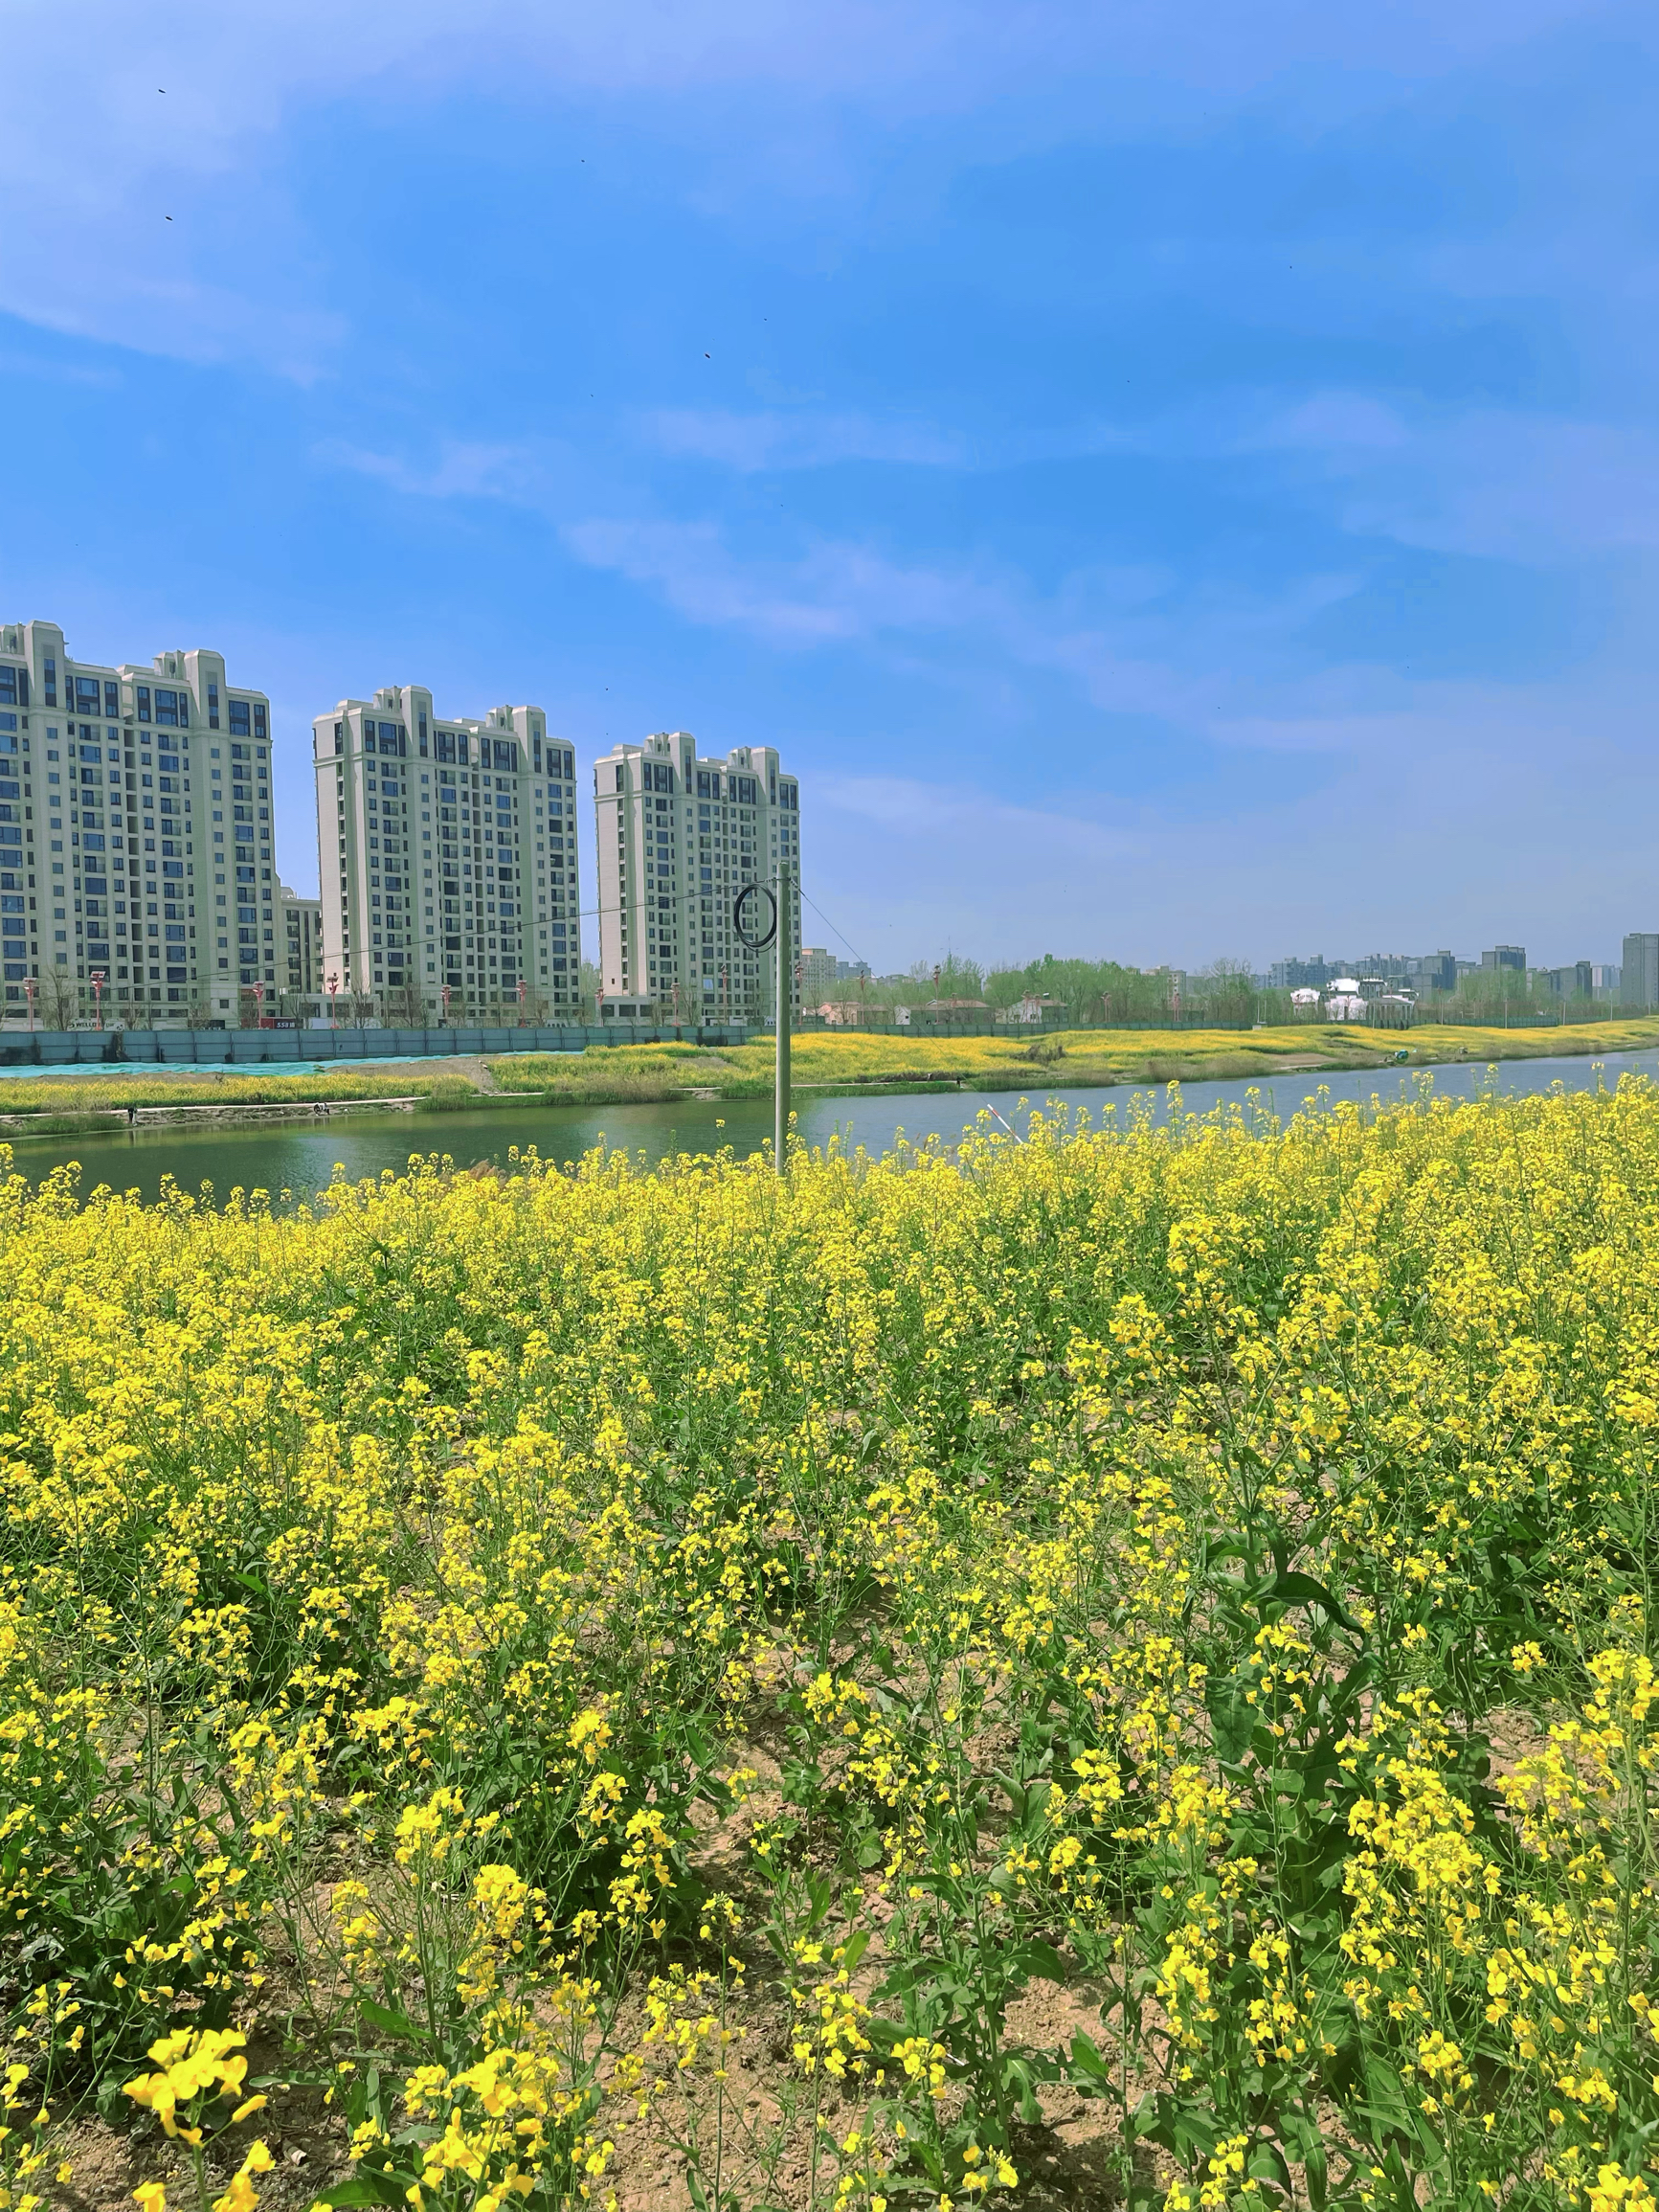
{"x":1114,"y":1669}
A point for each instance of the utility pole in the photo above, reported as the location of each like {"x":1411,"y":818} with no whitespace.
{"x":785,"y":970}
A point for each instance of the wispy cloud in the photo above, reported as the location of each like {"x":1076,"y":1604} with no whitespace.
{"x":187,"y":104}
{"x":1506,"y":483}
{"x":1323,"y":861}
{"x":1104,"y":629}
{"x":909,"y":807}
{"x":836,"y":592}
{"x":88,"y":376}
{"x":754,"y":442}
{"x":463,"y":469}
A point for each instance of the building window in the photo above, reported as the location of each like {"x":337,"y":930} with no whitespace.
{"x":238,"y":717}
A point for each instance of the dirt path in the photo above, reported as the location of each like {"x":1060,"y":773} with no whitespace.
{"x":472,"y":1065}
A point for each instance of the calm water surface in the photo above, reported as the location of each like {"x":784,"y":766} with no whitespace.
{"x":297,"y":1157}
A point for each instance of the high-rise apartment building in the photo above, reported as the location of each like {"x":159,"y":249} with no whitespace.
{"x":1575,"y":981}
{"x":1294,"y":974}
{"x":447,"y":851}
{"x":136,"y":869}
{"x":300,"y":944}
{"x":1639,"y":970}
{"x":819,"y":972}
{"x":680,"y":837}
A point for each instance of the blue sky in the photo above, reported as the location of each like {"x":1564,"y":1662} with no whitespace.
{"x":1176,"y":480}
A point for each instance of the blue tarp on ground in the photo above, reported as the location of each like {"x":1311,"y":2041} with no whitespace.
{"x":272,"y":1047}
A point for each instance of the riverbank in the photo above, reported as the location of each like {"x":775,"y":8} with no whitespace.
{"x":109,"y":1098}
{"x":826,"y":1066}
{"x":294,"y":1152}
{"x":849,"y":1066}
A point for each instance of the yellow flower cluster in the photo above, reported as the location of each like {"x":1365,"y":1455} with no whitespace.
{"x":560,"y":1630}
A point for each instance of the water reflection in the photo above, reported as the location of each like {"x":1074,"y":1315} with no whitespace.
{"x":301,"y":1156}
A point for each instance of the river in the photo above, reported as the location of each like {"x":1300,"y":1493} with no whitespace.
{"x":291,"y":1160}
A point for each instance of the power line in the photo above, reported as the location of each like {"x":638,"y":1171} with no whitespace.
{"x":839,"y":933}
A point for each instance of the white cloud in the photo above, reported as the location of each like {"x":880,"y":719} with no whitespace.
{"x":1370,"y":850}
{"x":1105,"y":629}
{"x":465,"y":469}
{"x":751,"y":443}
{"x":1505,"y":484}
{"x":911,"y":807}
{"x":14,"y":363}
{"x":121,"y":115}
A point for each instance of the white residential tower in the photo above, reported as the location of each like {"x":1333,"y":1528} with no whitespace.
{"x":447,"y":855}
{"x":135,"y":866}
{"x":680,"y":837}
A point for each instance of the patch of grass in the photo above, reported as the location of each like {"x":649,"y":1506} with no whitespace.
{"x":447,"y":1094}
{"x":91,"y":1094}
{"x":611,"y":1075}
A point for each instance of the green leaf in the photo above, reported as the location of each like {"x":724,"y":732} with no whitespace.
{"x":1019,"y":2075}
{"x":371,"y":2189}
{"x":1041,"y":1961}
{"x":1316,"y":2174}
{"x":1232,"y":1719}
{"x":1087,"y":2060}
{"x":1299,"y":1589}
{"x":396,"y":2025}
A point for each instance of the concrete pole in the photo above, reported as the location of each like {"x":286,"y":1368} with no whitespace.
{"x":785,"y":976}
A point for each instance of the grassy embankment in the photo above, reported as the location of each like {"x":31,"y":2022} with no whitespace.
{"x":824,"y":1065}
{"x":831,"y":1064}
{"x":75,"y":1102}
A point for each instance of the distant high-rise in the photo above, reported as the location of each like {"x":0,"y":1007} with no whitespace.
{"x":299,"y":943}
{"x":818,"y":973}
{"x":1575,"y":981}
{"x":680,"y":836}
{"x":447,"y":854}
{"x":1638,"y":972}
{"x":1293,"y":975}
{"x":1436,"y":972}
{"x":1506,"y":956}
{"x":124,"y":787}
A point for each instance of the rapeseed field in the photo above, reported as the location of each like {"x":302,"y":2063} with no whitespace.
{"x":828,"y":1060}
{"x":102,"y":1094}
{"x":1112,"y":1669}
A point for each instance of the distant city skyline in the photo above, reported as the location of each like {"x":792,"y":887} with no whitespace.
{"x":1169,"y":483}
{"x":343,"y":833}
